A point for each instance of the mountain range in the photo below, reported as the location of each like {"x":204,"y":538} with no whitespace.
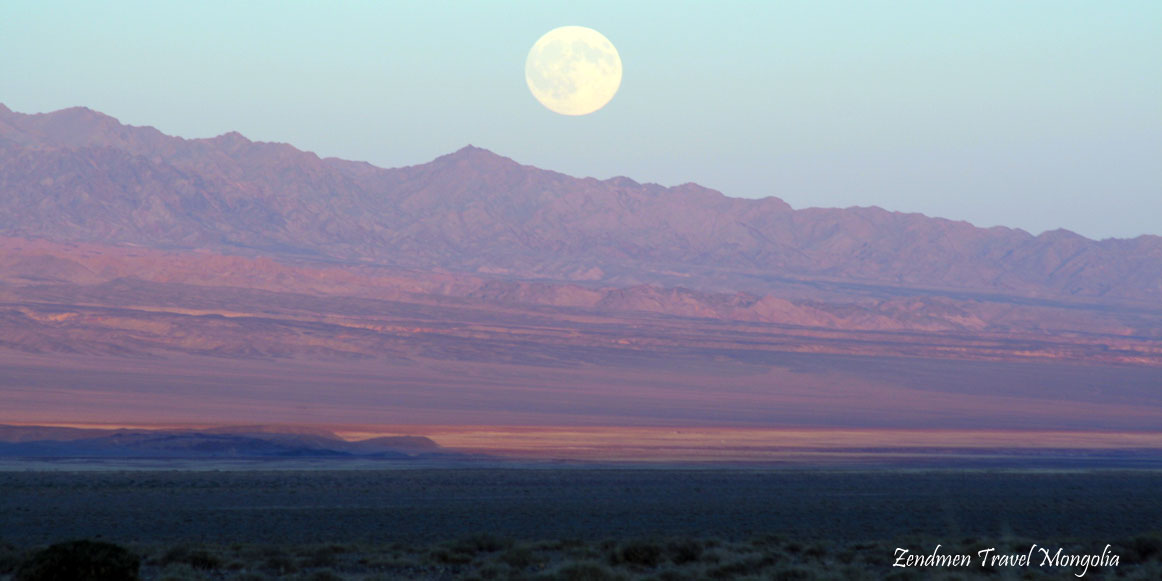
{"x":122,"y":244}
{"x":78,"y":175}
{"x":232,"y":442}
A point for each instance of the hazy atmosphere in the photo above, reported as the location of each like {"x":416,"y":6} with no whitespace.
{"x":1035,"y":115}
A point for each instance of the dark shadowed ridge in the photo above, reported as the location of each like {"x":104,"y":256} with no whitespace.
{"x":230,"y":442}
{"x":79,"y":175}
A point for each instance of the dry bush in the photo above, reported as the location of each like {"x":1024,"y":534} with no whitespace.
{"x":10,"y":558}
{"x":318,"y":558}
{"x":482,"y":543}
{"x":494,"y":571}
{"x":321,"y":575}
{"x":675,"y":575}
{"x":280,"y":564}
{"x":251,"y":576}
{"x":519,"y":557}
{"x":446,"y":556}
{"x":737,"y":568}
{"x":795,"y":573}
{"x":682,"y":551}
{"x":582,"y":571}
{"x":80,"y":561}
{"x":1150,"y":571}
{"x":196,"y":558}
{"x":638,"y":553}
{"x":1144,"y":548}
{"x":183,"y":572}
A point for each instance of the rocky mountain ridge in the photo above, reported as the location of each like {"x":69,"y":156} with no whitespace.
{"x":78,"y":175}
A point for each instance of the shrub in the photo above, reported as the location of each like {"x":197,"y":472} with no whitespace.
{"x":737,"y":568}
{"x":673,"y":575}
{"x":561,"y":544}
{"x":251,"y":576}
{"x":641,"y":553}
{"x":481,"y":543}
{"x":584,"y":571}
{"x":196,"y":558}
{"x":518,"y":557}
{"x":1146,"y":548}
{"x":494,"y":571}
{"x":795,"y":573}
{"x":320,"y":557}
{"x":323,"y":575}
{"x":447,"y":557}
{"x":280,"y":564}
{"x":767,"y":540}
{"x":712,"y":556}
{"x":81,"y":561}
{"x":815,"y":551}
{"x":684,"y":551}
{"x":10,"y":558}
{"x":183,"y":572}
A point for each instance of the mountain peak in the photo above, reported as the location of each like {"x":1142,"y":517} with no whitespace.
{"x":1060,"y":234}
{"x":82,"y":116}
{"x":230,"y":139}
{"x":80,"y":127}
{"x":476,"y":156}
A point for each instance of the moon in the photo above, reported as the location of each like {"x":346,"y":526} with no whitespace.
{"x":573,"y":70}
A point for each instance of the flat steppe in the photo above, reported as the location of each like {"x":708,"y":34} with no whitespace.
{"x":516,"y":523}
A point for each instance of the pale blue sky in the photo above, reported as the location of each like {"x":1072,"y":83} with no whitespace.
{"x":1034,"y":114}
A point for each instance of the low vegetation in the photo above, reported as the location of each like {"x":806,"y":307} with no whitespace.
{"x":486,"y":557}
{"x":572,"y":524}
{"x":80,"y":560}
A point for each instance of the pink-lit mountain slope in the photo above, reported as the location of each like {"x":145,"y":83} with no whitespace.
{"x":146,"y":278}
{"x":78,"y":175}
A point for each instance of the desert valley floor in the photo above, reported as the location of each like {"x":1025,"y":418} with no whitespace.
{"x":583,"y":523}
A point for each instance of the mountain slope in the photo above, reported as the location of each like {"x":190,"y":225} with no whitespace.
{"x":77,"y":175}
{"x":204,"y":281}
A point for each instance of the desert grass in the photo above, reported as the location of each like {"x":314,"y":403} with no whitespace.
{"x":581,"y":524}
{"x":484,"y":557}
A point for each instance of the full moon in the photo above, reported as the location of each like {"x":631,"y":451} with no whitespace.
{"x":573,"y":70}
